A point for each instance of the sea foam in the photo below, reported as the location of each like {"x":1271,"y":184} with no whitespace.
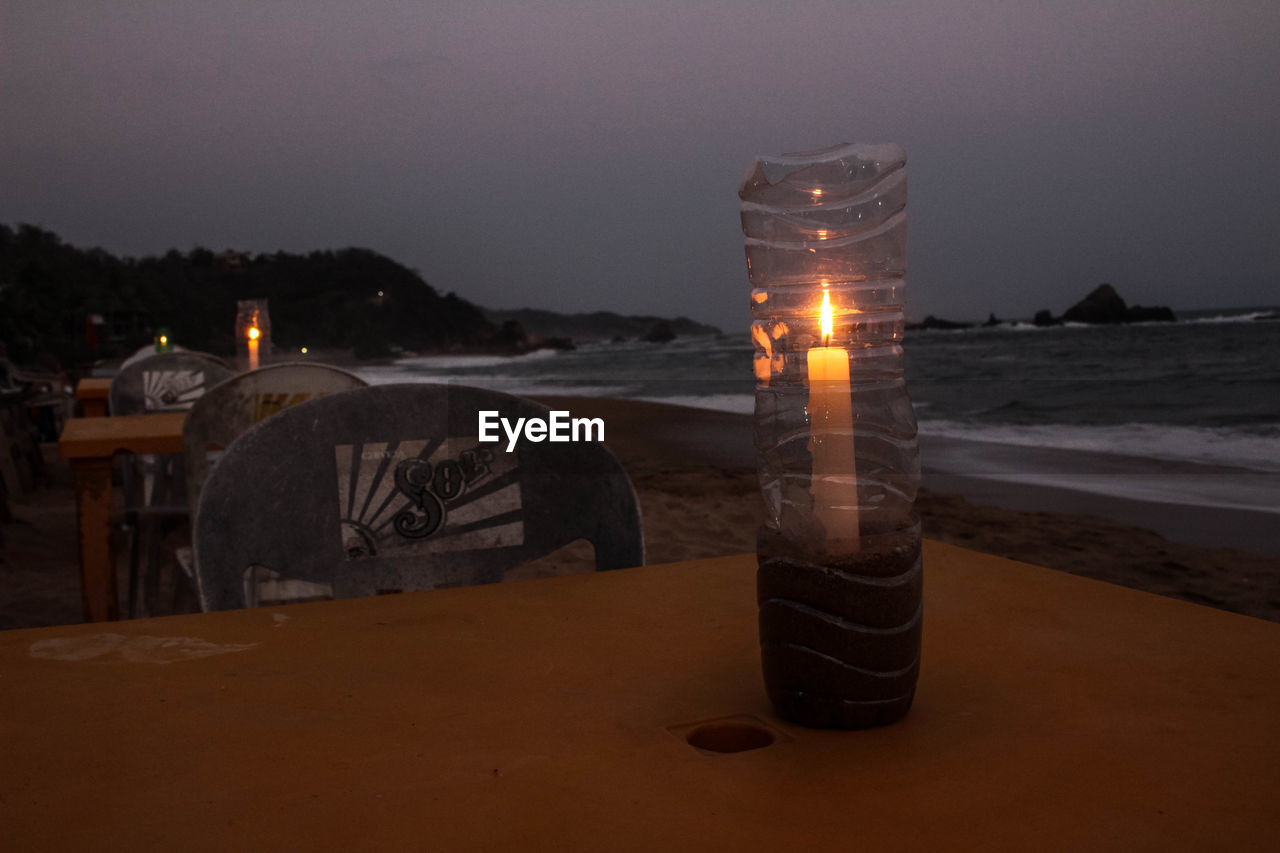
{"x":1256,"y":448}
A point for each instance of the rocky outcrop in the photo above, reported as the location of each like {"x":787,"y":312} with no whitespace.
{"x":1154,"y":314}
{"x":932,"y":322}
{"x":1104,"y":306}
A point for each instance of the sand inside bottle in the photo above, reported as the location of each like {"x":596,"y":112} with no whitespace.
{"x":840,"y":635}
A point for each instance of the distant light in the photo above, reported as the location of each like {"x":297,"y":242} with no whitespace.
{"x":254,"y":333}
{"x":817,"y":194}
{"x":304,"y":350}
{"x":164,"y":340}
{"x":379,"y":292}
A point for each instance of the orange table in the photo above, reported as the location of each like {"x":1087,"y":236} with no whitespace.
{"x":1053,"y":713}
{"x":91,"y":444}
{"x":92,"y":392}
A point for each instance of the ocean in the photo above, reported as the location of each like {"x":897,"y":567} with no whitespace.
{"x":1203,"y":392}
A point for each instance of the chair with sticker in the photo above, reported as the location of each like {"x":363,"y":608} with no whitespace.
{"x":388,"y":488}
{"x":222,"y":414}
{"x":229,"y":409}
{"x":155,"y":493}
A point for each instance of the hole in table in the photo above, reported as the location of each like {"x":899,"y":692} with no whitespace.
{"x":730,"y":736}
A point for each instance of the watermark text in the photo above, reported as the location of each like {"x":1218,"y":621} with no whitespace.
{"x":557,"y":427}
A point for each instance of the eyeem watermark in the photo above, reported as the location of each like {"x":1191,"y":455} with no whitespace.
{"x":558,"y":427}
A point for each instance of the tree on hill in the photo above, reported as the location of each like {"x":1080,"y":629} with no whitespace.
{"x":352,"y":298}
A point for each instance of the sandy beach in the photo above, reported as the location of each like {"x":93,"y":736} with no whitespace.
{"x":693,"y":470}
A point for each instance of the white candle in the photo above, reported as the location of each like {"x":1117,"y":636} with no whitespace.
{"x":834,"y":478}
{"x":253,"y":348}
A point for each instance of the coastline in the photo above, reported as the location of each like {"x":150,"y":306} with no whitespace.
{"x":1213,"y":506}
{"x":694,"y":472}
{"x":701,"y":462}
{"x":1190,"y":503}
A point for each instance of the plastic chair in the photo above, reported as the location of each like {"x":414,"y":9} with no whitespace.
{"x":387,"y":488}
{"x":223,"y":413}
{"x":154,"y":486}
{"x":165,"y":382}
{"x":150,"y":350}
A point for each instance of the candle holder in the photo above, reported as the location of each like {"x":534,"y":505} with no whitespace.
{"x":840,"y":577}
{"x":253,"y":332}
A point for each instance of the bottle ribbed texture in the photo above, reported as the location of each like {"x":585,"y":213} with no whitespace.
{"x":833,"y":221}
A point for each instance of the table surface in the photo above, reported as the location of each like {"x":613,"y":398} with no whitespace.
{"x":1053,"y":713}
{"x":87,"y":438}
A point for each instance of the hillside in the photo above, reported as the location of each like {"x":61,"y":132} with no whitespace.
{"x":350,"y":299}
{"x":599,"y":325}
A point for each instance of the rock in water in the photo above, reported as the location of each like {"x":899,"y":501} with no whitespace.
{"x":1102,"y":305}
{"x":1105,"y":306}
{"x":932,"y":322}
{"x":1152,"y":314}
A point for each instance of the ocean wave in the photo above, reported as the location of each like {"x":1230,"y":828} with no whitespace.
{"x":1256,"y":448}
{"x":736,"y":403}
{"x":521,"y":386}
{"x":1256,"y":315}
{"x":432,"y":363}
{"x":1272,"y":314}
{"x":702,"y":343}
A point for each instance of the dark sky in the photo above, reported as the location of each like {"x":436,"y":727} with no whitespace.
{"x":586,"y":155}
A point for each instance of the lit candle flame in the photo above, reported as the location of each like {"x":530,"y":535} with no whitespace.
{"x":164,"y":340}
{"x":826,"y":317}
{"x":254,"y":333}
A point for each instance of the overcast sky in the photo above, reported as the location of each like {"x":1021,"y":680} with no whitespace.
{"x":586,"y":155}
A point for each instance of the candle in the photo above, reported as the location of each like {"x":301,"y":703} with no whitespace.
{"x":253,"y":347}
{"x":833,"y":483}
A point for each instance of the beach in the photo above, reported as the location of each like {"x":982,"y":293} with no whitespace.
{"x":694,"y":473}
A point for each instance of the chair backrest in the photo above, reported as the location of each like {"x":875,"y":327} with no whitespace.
{"x":165,"y":382}
{"x":230,"y":408}
{"x":388,"y":488}
{"x":150,"y":350}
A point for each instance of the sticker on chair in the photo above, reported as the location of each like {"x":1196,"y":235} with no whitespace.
{"x":426,"y":496}
{"x":267,"y":404}
{"x":171,"y":389}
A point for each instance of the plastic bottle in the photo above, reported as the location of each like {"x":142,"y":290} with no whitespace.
{"x":840,"y":576}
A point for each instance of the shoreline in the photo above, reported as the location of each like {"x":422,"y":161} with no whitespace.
{"x":1008,"y":476}
{"x":694,"y":473}
{"x":1119,"y":488}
